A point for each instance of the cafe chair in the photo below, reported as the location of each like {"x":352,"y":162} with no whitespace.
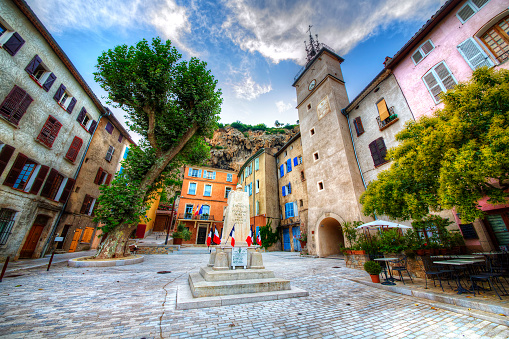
{"x":401,"y":266}
{"x":434,"y":272}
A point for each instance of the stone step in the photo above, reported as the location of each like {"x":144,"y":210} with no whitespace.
{"x":202,"y":288}
{"x":239,"y":274}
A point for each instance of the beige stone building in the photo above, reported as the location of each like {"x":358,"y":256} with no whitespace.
{"x":258,"y":177}
{"x":293,"y":197}
{"x":48,"y":116}
{"x":333,"y":180}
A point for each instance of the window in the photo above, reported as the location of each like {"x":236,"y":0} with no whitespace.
{"x":257,"y":189}
{"x":383,"y":110}
{"x":257,"y":207}
{"x":469,"y":9}
{"x":109,"y":127}
{"x":300,"y":160}
{"x":250,"y":188}
{"x":285,"y":154}
{"x":64,"y":99}
{"x":40,"y":73}
{"x":473,"y":54}
{"x":295,"y":162}
{"x":312,"y":131}
{"x":25,"y":174}
{"x":289,"y":188}
{"x":289,"y":210}
{"x":302,"y":178}
{"x":209,"y":174}
{"x":315,"y":156}
{"x":86,"y":121}
{"x":120,"y":137}
{"x":378,"y":151}
{"x":422,"y":51}
{"x":192,"y":188}
{"x":281,"y":171}
{"x":15,"y":105}
{"x":289,"y":165}
{"x":207,"y":191}
{"x":57,"y":187}
{"x":102,"y":177}
{"x":301,"y":202}
{"x":6,"y":223}
{"x":358,"y":126}
{"x":6,"y":152}
{"x":229,"y":177}
{"x":196,"y":173}
{"x":87,"y":234}
{"x":74,"y":149}
{"x":257,"y":164}
{"x":320,"y":185}
{"x":438,"y":80}
{"x":189,"y":211}
{"x":88,"y":205}
{"x":205,"y":212}
{"x":49,"y":131}
{"x":109,"y":154}
{"x":10,"y":41}
{"x":497,"y":40}
{"x":227,"y":191}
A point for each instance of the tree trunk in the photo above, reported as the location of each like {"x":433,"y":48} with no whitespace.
{"x":115,"y":243}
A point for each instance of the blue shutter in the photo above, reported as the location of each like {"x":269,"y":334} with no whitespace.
{"x":190,"y":172}
{"x":286,"y":210}
{"x":204,"y":174}
{"x":199,"y":173}
{"x":213,"y":175}
{"x":295,"y":209}
{"x":283,"y":190}
{"x":281,"y":171}
{"x":257,"y":164}
{"x":289,"y":188}
{"x":289,"y":165}
{"x":295,"y":161}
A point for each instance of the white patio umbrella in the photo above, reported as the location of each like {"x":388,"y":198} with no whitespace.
{"x":382,"y":224}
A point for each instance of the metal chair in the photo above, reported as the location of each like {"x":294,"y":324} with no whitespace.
{"x":401,"y":266}
{"x":435,"y":272}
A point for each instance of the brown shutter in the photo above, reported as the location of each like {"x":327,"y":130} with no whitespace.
{"x":67,"y":190}
{"x":15,"y":170}
{"x":32,"y":65}
{"x":382,"y":110}
{"x":74,"y":149}
{"x":46,"y":190}
{"x":93,"y":125}
{"x":49,"y":82}
{"x":59,"y":93}
{"x":36,"y":186}
{"x":14,"y":43}
{"x":358,"y":126}
{"x":108,"y":180}
{"x":5,"y":156}
{"x":98,"y":175}
{"x":82,"y":114}
{"x":85,"y":204}
{"x":15,"y":104}
{"x":49,"y":131}
{"x":374,"y":153}
{"x":382,"y":150}
{"x":71,"y":105}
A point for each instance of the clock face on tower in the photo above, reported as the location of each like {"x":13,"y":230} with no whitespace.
{"x":312,"y":84}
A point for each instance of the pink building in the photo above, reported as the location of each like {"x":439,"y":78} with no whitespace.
{"x":462,"y":36}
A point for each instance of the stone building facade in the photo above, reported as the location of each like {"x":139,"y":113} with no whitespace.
{"x":203,"y":200}
{"x":258,"y":177}
{"x":108,"y":147}
{"x":292,"y":192}
{"x":48,"y":116}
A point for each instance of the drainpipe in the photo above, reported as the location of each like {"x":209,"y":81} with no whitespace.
{"x":57,"y":221}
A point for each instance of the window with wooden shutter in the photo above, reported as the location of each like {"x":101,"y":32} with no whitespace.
{"x":473,"y":54}
{"x":358,"y":126}
{"x":67,"y":190}
{"x":16,"y":169}
{"x":49,"y":131}
{"x":14,"y":43}
{"x":49,"y":82}
{"x":469,"y":9}
{"x":295,"y":161}
{"x":25,"y":175}
{"x":40,"y":73}
{"x":52,"y":184}
{"x":109,"y":127}
{"x":109,"y":154}
{"x":497,"y":39}
{"x":92,"y":127}
{"x":87,"y":235}
{"x":438,"y":80}
{"x":87,"y":203}
{"x":108,"y":179}
{"x":383,"y":111}
{"x":422,"y":51}
{"x":120,"y":137}
{"x":39,"y":179}
{"x":15,"y":105}
{"x":288,"y":165}
{"x":5,"y":156}
{"x":98,"y":176}
{"x":74,"y":149}
{"x":378,"y":151}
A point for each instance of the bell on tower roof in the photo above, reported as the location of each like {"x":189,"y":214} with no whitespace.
{"x":313,"y":47}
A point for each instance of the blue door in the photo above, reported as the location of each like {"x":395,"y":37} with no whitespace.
{"x":286,"y":240}
{"x":296,"y":236}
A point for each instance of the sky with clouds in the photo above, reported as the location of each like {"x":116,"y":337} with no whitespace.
{"x":254,"y":48}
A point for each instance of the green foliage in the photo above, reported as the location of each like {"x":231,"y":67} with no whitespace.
{"x":451,"y":159}
{"x":372,"y":267}
{"x":267,"y":236}
{"x":182,"y":233}
{"x":392,"y":241}
{"x":244,"y":128}
{"x":218,"y":147}
{"x":350,"y":231}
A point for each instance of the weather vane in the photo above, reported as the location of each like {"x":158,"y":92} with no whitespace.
{"x":313,"y":47}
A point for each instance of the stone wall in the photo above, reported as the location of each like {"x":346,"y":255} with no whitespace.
{"x":164,"y":249}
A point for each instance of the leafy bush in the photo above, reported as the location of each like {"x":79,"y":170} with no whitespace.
{"x":372,"y":267}
{"x":182,"y":233}
{"x":267,"y":236}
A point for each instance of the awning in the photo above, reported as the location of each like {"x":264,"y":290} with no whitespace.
{"x":382,"y":224}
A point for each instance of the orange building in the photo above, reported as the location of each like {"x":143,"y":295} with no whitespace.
{"x":203,"y":200}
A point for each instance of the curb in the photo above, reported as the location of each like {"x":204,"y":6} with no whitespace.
{"x":104,"y":263}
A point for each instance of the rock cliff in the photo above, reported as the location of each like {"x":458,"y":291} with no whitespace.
{"x":230,"y":148}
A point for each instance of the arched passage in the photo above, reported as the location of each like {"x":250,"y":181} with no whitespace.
{"x":330,"y":237}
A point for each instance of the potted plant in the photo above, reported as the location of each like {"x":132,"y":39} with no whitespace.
{"x":374,"y":269}
{"x":182,"y":233}
{"x":303,"y":239}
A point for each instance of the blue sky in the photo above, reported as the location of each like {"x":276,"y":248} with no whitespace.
{"x":254,"y":48}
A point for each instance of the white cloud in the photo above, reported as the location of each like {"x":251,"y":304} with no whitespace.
{"x":278,"y":31}
{"x":249,"y":90}
{"x":282,"y":107}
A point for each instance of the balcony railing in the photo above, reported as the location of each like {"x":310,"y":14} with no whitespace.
{"x":382,"y":124}
{"x":190,"y":216}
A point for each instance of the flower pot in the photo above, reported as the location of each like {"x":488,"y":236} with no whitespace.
{"x":375,"y":278}
{"x":420,"y":252}
{"x":442,"y":251}
{"x":177,"y":241}
{"x":358,"y":252}
{"x":428,"y":252}
{"x":302,"y":243}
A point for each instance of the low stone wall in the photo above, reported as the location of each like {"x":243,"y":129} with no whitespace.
{"x":164,"y":249}
{"x":414,"y":265}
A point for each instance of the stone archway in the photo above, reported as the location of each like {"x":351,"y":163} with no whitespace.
{"x":330,"y":237}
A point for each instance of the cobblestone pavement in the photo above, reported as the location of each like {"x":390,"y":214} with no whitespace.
{"x":136,"y":302}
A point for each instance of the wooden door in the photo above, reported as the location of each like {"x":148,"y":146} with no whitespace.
{"x":75,"y":239}
{"x":160,"y":223}
{"x":202,"y":235}
{"x":287,"y":246}
{"x":31,"y":243}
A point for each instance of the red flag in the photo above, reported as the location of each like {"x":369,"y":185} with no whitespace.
{"x":209,"y":237}
{"x":216,"y":238}
{"x":232,"y":235}
{"x":249,"y":238}
{"x":259,"y":239}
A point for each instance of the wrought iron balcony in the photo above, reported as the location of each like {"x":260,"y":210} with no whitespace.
{"x":191,"y":216}
{"x":383,"y":124}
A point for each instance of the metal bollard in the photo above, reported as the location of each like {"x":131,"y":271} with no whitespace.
{"x":50,"y":260}
{"x":4,"y":268}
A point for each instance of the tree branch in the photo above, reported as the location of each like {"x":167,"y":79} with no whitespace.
{"x":151,"y":129}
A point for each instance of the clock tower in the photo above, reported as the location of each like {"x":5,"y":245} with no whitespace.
{"x":332,"y":176}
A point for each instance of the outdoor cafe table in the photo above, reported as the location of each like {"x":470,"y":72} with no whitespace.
{"x":388,"y":281}
{"x":458,"y":256}
{"x":459,"y":262}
